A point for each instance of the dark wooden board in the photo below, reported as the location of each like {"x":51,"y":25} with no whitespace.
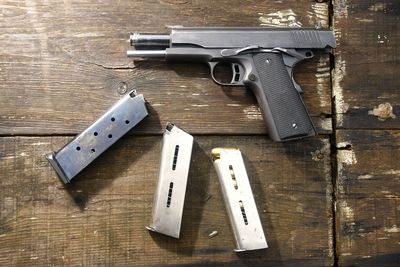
{"x":368,"y":199}
{"x":100,"y":218}
{"x":365,"y":89}
{"x":63,"y":64}
{"x":367,"y":63}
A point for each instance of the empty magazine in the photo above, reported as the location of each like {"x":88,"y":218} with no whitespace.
{"x":169,"y":197}
{"x":92,"y":142}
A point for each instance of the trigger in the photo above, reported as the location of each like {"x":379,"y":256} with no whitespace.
{"x":237,"y":74}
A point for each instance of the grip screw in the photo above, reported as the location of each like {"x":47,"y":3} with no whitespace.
{"x":252,"y":77}
{"x":294,"y":126}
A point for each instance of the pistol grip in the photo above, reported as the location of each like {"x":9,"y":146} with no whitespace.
{"x":281,"y":105}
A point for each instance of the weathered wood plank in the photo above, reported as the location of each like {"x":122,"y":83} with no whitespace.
{"x":100,"y":218}
{"x":368,"y":198}
{"x":365,"y":86}
{"x":367,"y":60}
{"x":63,"y":64}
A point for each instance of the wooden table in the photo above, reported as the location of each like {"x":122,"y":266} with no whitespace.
{"x":328,"y":200}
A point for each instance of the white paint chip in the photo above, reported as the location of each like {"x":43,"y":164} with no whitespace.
{"x":326,"y":124}
{"x":378,"y":7}
{"x":347,"y":157}
{"x":343,"y":144}
{"x":346,"y":212}
{"x":323,"y":76}
{"x":200,"y":105}
{"x":282,"y":18}
{"x":393,"y":229}
{"x":341,"y":8}
{"x":89,"y":34}
{"x":391,"y":171}
{"x":339,"y":72}
{"x":319,"y":14}
{"x":365,"y":176}
{"x":253,"y":113}
{"x":382,"y":39}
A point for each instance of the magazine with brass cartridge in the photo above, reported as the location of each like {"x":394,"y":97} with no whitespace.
{"x":169,"y":197}
{"x":238,"y":197}
{"x":98,"y":137}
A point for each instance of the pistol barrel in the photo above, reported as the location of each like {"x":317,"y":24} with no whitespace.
{"x":143,"y":40}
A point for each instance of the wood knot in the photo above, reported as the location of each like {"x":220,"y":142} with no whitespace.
{"x":383,"y":112}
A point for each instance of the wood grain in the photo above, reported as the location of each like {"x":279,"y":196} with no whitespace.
{"x":64,"y":63}
{"x":367,"y":61}
{"x":365,"y":89}
{"x":100,"y":218}
{"x":368,"y":197}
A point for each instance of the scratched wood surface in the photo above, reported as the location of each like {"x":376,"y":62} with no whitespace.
{"x":63,"y":63}
{"x":365,"y":81}
{"x":64,"y":60}
{"x":365,"y":87}
{"x":368,"y":200}
{"x":100,"y":219}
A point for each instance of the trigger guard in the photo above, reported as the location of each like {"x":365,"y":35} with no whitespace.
{"x":212,"y":66}
{"x":236,"y":80}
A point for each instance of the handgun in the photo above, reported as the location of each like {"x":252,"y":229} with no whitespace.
{"x":261,"y":59}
